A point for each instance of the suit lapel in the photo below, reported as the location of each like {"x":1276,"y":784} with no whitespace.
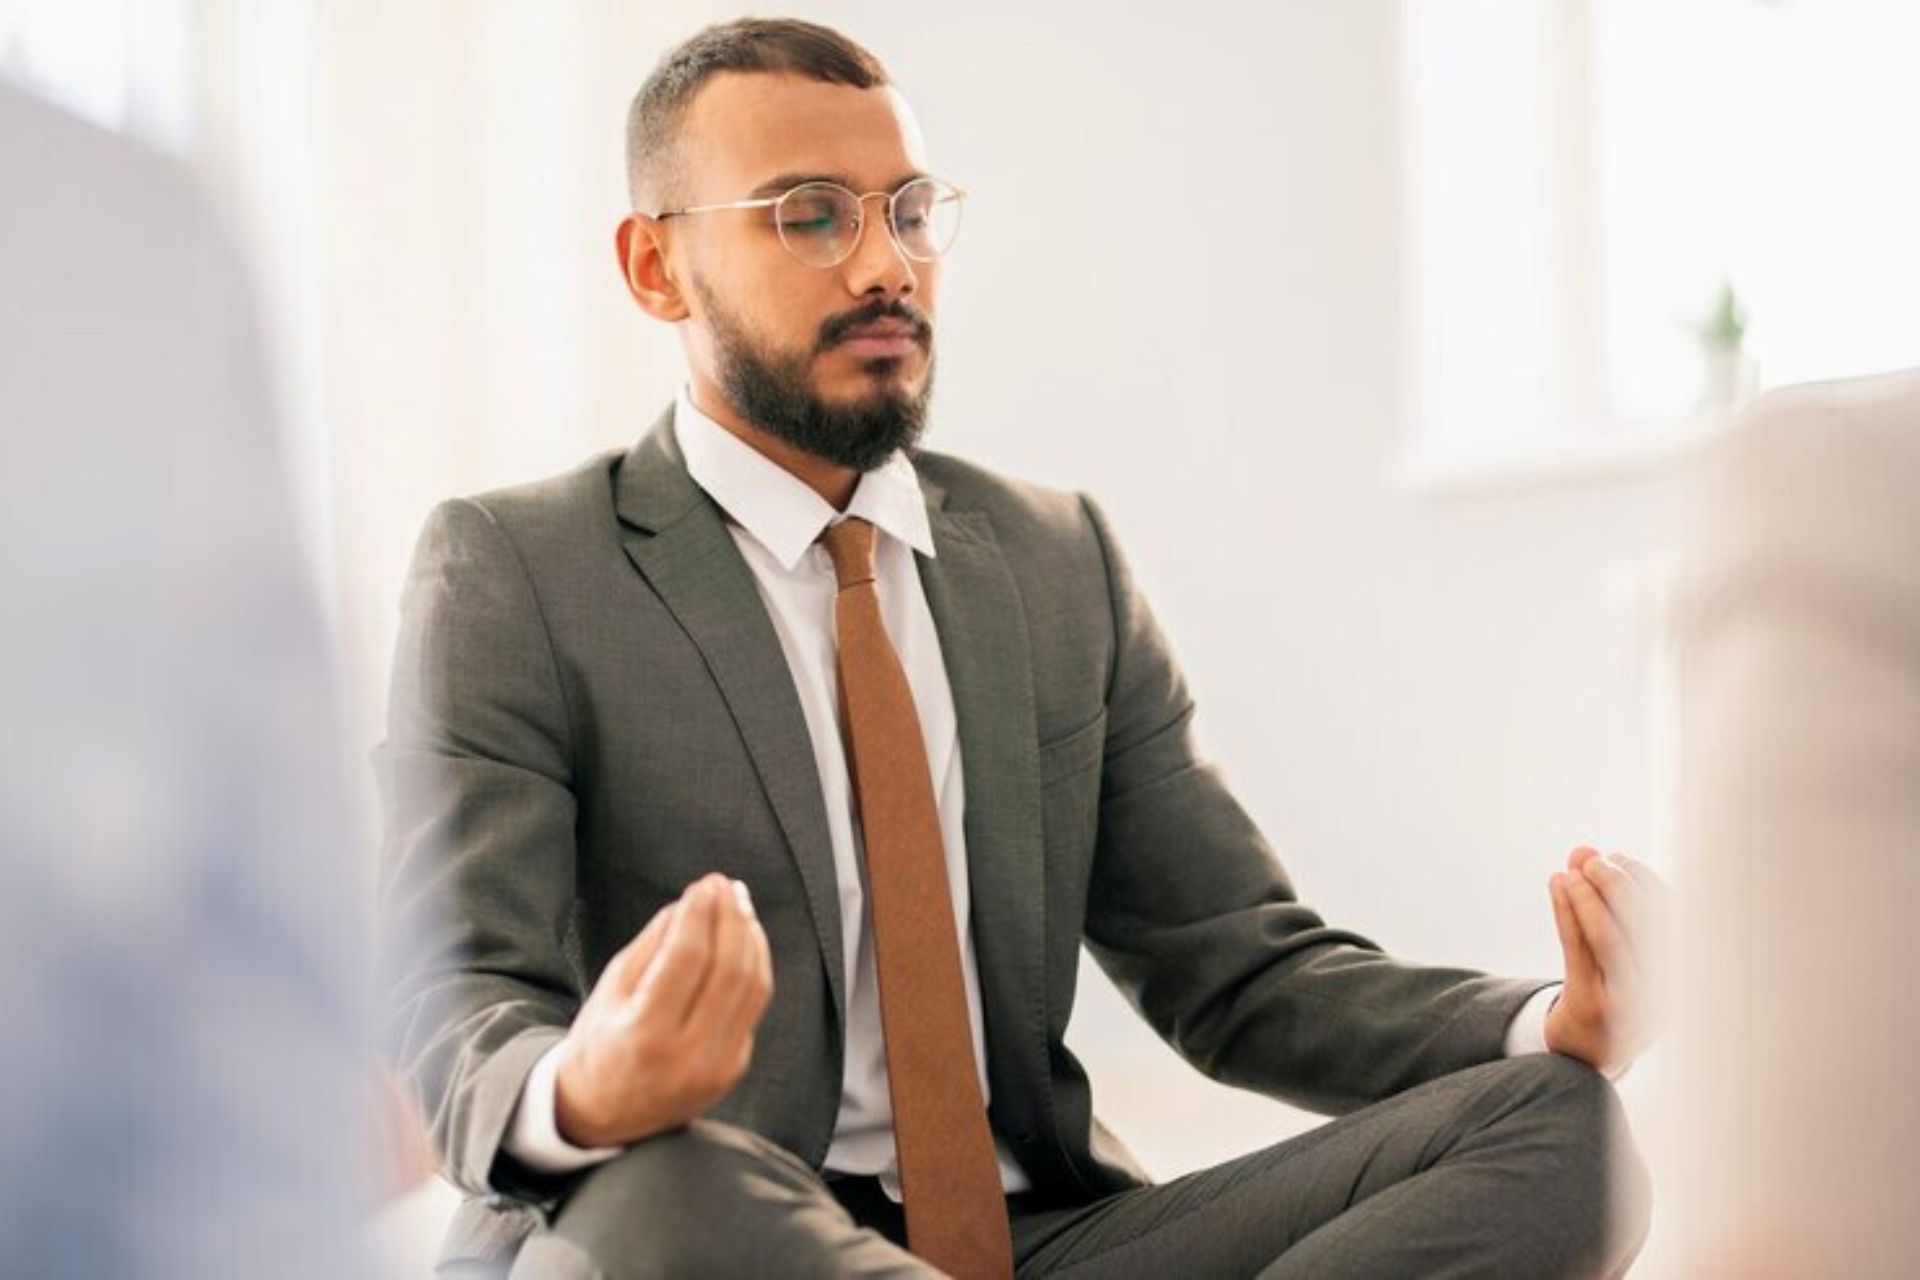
{"x":677,"y":538}
{"x":983,"y":640}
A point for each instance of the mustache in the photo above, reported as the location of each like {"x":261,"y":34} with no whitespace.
{"x":835,"y":331}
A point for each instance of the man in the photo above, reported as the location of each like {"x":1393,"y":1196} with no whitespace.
{"x":921,"y":714}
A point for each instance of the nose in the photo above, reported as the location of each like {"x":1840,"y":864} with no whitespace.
{"x":877,"y":263}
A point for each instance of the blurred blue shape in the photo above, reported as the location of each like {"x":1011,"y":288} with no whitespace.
{"x":182,"y":1082}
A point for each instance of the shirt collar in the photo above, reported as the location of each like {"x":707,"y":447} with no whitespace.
{"x":779,"y":509}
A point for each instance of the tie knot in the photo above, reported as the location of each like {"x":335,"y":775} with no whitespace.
{"x":850,"y":543}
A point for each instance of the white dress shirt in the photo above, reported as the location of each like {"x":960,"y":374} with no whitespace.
{"x":774,"y":518}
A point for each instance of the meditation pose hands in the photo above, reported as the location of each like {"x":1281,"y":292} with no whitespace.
{"x":667,"y":1031}
{"x":1614,"y":916}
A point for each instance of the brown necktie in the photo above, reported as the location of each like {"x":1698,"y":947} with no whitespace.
{"x":955,"y":1206}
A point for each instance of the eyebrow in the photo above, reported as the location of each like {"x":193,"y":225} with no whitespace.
{"x":785,"y":181}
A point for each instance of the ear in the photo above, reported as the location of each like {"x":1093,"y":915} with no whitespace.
{"x":643,"y":263}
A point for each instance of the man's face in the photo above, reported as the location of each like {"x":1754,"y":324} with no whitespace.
{"x":777,"y":337}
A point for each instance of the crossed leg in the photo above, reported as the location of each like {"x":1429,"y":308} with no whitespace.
{"x":710,"y":1199}
{"x":1519,"y":1167}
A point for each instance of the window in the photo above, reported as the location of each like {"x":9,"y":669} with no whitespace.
{"x":1624,"y":217}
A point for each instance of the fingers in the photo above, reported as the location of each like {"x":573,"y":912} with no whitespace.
{"x":1610,"y":945}
{"x":1580,"y":963}
{"x":1616,"y":889}
{"x":725,"y":970}
{"x":623,"y":972}
{"x":1581,"y":856}
{"x":737,"y":988}
{"x":729,"y":1044}
{"x":1633,"y":893}
{"x":1631,"y":889}
{"x":1643,"y":906}
{"x":666,"y":991}
{"x":706,"y":960}
{"x":1654,"y":891}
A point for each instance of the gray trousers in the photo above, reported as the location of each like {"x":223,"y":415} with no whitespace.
{"x":1519,"y":1167}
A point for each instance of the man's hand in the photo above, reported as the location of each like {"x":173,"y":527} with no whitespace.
{"x":667,"y":1030}
{"x":1613,"y":915}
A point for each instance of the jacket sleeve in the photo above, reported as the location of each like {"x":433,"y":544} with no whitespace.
{"x":478,"y":859}
{"x":1193,"y":917}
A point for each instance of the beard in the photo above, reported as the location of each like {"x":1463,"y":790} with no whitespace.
{"x":774,"y":390}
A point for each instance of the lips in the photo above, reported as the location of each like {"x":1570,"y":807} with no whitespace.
{"x":883,"y":329}
{"x":882,"y":338}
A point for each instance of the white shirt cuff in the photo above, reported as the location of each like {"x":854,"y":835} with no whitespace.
{"x":533,"y":1134}
{"x":1527,"y":1033}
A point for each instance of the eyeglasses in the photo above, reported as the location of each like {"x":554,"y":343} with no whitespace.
{"x":820,"y":222}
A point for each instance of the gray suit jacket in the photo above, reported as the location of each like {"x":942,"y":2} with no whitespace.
{"x":591,"y":708}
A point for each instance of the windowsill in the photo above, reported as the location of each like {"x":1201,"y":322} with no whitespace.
{"x":1501,"y":468}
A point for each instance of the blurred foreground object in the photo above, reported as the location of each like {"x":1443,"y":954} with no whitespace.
{"x":1799,"y":1021}
{"x":181,"y":1074}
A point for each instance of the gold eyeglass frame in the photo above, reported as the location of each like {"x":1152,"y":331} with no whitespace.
{"x":860,"y":227}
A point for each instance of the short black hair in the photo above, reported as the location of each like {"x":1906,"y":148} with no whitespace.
{"x":654,"y":169}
